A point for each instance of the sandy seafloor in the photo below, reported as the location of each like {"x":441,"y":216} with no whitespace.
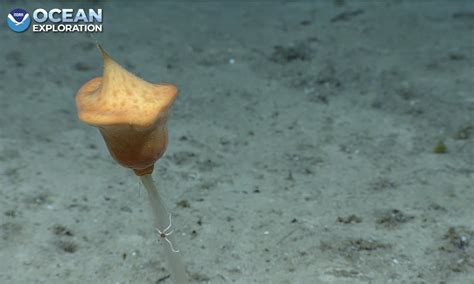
{"x":302,"y":145}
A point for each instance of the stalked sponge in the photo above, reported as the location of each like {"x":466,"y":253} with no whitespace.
{"x":130,"y":113}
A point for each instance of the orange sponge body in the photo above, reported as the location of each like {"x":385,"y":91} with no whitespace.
{"x":130,"y":113}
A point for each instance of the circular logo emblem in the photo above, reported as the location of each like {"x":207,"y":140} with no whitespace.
{"x":18,"y":20}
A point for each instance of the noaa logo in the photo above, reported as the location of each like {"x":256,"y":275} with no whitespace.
{"x":18,"y":20}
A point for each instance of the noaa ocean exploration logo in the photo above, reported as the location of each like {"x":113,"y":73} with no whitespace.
{"x":57,"y":20}
{"x":18,"y":20}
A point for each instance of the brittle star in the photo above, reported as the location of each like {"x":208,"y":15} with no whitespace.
{"x":165,"y":233}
